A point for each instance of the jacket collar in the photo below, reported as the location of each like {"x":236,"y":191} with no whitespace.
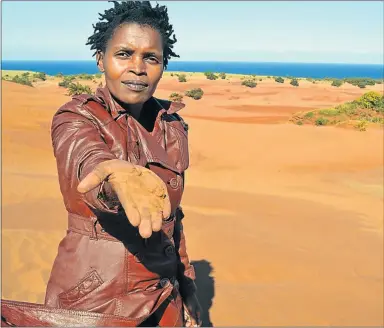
{"x":104,"y":96}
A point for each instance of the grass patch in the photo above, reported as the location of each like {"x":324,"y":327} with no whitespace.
{"x":367,"y":109}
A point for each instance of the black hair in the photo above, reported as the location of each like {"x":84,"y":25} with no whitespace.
{"x":139,"y":12}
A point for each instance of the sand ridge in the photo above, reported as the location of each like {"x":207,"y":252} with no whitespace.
{"x":283,"y":222}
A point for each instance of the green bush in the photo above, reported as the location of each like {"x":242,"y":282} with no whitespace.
{"x":78,"y":89}
{"x":361,"y":81}
{"x":59,"y":75}
{"x":210,"y":76}
{"x":362,"y":84}
{"x":223,"y":76}
{"x":67,"y":81}
{"x":309,"y":115}
{"x":22,"y":80}
{"x":182,"y":78}
{"x":249,"y":83}
{"x":372,"y":100}
{"x":177,"y":97}
{"x":40,"y":75}
{"x":294,"y":82}
{"x":361,"y":126}
{"x":195,"y":93}
{"x":337,"y":83}
{"x":279,"y":80}
{"x":321,"y":121}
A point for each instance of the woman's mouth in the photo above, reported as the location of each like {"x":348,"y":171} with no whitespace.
{"x":135,"y":85}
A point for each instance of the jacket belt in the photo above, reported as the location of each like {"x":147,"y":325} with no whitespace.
{"x":88,"y":227}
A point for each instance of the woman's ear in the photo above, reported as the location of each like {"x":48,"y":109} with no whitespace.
{"x":99,"y":61}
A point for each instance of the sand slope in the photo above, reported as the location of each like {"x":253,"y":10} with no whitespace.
{"x":288,"y":218}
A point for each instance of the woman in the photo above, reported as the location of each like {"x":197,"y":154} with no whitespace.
{"x":121,"y":156}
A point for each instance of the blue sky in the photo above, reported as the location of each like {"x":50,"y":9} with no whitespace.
{"x":327,"y":31}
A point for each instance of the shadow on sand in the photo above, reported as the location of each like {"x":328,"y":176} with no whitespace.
{"x":205,"y":289}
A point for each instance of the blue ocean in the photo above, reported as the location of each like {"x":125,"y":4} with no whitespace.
{"x":315,"y":70}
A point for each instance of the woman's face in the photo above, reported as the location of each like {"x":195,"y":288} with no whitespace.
{"x":132,"y":63}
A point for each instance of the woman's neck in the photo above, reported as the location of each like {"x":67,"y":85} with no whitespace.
{"x":132,"y":109}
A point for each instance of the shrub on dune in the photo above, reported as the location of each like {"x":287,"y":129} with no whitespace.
{"x":249,"y":83}
{"x":177,"y":97}
{"x":78,"y":89}
{"x":182,"y":78}
{"x":210,"y":76}
{"x":195,"y":93}
{"x":279,"y":79}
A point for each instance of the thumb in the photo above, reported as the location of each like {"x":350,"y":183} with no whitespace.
{"x":94,"y":178}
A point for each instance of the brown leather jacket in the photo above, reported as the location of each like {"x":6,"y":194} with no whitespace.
{"x":103,"y":265}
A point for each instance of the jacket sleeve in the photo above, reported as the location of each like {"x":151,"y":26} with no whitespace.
{"x":78,"y":148}
{"x":186,"y":271}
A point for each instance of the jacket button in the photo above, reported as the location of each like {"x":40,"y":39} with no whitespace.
{"x":164,"y":282}
{"x":169,"y":250}
{"x":174,"y":183}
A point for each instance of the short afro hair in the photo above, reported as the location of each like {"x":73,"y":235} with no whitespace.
{"x":139,"y":12}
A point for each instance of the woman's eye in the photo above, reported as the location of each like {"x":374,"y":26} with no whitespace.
{"x":153,"y":59}
{"x":123,"y":54}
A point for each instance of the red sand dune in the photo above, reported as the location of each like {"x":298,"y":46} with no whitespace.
{"x":290,"y":218}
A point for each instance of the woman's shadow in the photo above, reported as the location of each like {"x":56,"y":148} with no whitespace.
{"x":205,"y":289}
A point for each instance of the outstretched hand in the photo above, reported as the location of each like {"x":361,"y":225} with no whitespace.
{"x":141,"y":192}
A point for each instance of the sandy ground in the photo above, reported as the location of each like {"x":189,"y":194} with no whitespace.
{"x":284,"y":222}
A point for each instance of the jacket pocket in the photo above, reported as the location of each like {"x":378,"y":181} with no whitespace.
{"x":88,"y":284}
{"x":179,"y":149}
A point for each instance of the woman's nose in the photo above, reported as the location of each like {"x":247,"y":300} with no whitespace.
{"x":137,"y":65}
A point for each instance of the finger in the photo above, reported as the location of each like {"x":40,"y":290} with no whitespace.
{"x":93,"y":179}
{"x":145,"y":227}
{"x":129,"y":206}
{"x":157,"y":220}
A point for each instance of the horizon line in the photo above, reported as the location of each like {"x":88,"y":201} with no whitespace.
{"x":207,"y":61}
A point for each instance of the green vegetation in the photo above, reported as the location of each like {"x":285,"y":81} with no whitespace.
{"x":321,"y":121}
{"x":67,"y":81}
{"x":84,"y":76}
{"x":23,"y":79}
{"x":40,"y":75}
{"x":182,"y":78}
{"x":223,"y":76}
{"x":279,"y":79}
{"x":337,"y":83}
{"x":294,"y":82}
{"x":177,"y":97}
{"x":195,"y":93}
{"x":249,"y":83}
{"x":210,"y":76}
{"x":367,"y":109}
{"x":362,"y":82}
{"x":78,"y":89}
